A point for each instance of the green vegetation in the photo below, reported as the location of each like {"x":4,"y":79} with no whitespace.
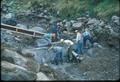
{"x":107,"y":8}
{"x":69,"y":8}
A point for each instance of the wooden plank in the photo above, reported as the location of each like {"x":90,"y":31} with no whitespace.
{"x":21,"y":30}
{"x":25,"y":34}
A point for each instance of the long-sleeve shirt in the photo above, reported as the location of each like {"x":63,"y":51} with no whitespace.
{"x":78,"y":37}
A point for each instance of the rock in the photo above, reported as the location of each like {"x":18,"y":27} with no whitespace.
{"x":67,"y":24}
{"x":41,"y":76}
{"x":77,"y":24}
{"x":101,"y":23}
{"x":72,"y":21}
{"x":10,"y":21}
{"x":21,"y":26}
{"x":42,"y":42}
{"x":7,"y":37}
{"x":14,"y":72}
{"x":9,"y":15}
{"x":97,"y":45}
{"x":116,"y":19}
{"x":82,"y":19}
{"x":15,"y":58}
{"x":27,"y":53}
{"x":98,"y":29}
{"x":39,"y":29}
{"x":32,"y":65}
{"x":41,"y":14}
{"x":93,"y":21}
{"x":114,"y":34}
{"x":28,"y":12}
{"x":108,"y":26}
{"x":45,"y":11}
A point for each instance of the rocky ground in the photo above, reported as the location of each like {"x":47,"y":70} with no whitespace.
{"x":20,"y":61}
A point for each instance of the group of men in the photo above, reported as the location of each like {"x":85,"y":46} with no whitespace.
{"x":81,"y":40}
{"x":75,"y":49}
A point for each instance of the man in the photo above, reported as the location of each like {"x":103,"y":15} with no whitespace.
{"x":69,"y":49}
{"x":79,"y":42}
{"x":58,"y":55}
{"x":49,"y":37}
{"x":68,"y":26}
{"x":55,"y":29}
{"x":87,"y":36}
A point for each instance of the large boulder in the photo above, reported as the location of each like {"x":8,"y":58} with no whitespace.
{"x":15,"y":58}
{"x":9,"y":19}
{"x":41,"y":76}
{"x":93,"y":21}
{"x":14,"y":72}
{"x":27,"y":53}
{"x":77,"y":25}
{"x":116,"y":19}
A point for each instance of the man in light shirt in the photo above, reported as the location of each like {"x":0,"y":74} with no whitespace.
{"x":79,"y":42}
{"x":69,"y":49}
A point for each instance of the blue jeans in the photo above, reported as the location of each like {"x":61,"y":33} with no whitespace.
{"x":58,"y":58}
{"x":85,"y":38}
{"x":79,"y":47}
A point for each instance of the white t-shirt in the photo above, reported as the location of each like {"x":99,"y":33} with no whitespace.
{"x":69,"y":42}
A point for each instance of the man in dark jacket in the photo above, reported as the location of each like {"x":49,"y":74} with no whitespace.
{"x":56,"y":30}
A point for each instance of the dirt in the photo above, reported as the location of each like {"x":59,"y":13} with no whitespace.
{"x":105,"y":66}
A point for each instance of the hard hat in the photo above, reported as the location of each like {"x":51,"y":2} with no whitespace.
{"x":62,"y":40}
{"x":76,"y":30}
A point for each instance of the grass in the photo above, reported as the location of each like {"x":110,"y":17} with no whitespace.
{"x":69,"y":9}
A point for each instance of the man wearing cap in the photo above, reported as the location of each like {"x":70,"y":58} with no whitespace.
{"x":69,"y":49}
{"x":79,"y":42}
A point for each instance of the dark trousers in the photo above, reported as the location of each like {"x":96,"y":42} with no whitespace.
{"x":69,"y":54}
{"x":87,"y":38}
